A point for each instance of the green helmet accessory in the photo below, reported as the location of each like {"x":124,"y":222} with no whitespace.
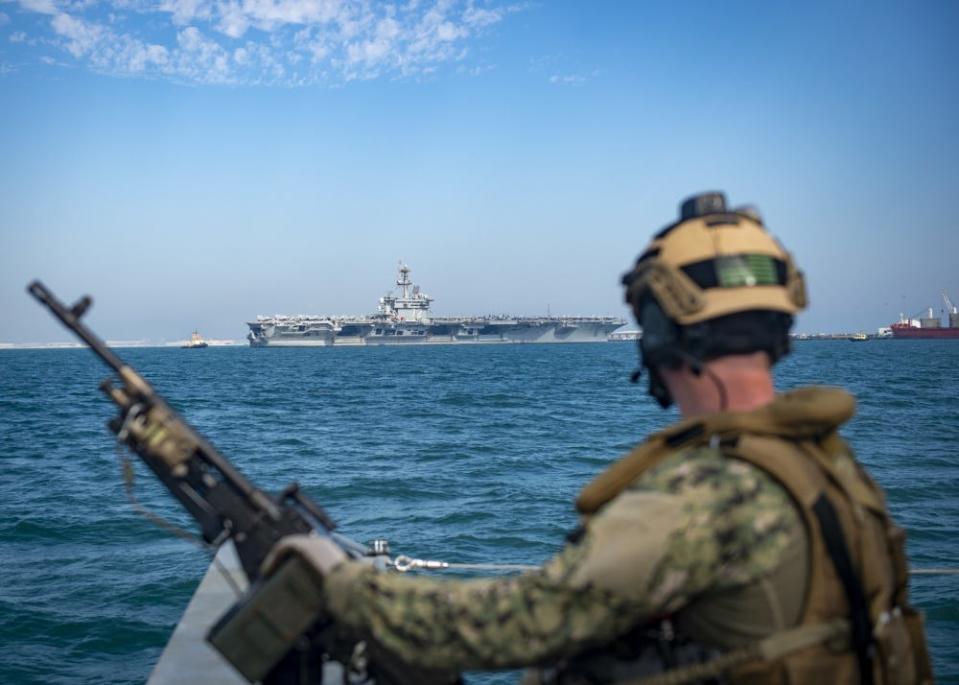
{"x":713,"y":283}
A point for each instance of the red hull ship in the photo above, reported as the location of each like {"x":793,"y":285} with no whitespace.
{"x":929,"y":327}
{"x":904,"y":330}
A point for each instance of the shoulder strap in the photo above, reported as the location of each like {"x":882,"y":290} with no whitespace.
{"x":803,"y":470}
{"x":853,"y":481}
{"x":835,"y":540}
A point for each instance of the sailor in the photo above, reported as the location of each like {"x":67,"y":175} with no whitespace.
{"x":744,"y":544}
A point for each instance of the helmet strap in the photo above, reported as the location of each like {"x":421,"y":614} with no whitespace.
{"x":658,"y":390}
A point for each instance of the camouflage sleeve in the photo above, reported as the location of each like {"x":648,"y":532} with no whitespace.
{"x":696,"y":523}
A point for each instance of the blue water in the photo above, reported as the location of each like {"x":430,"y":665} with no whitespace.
{"x":469,"y":454}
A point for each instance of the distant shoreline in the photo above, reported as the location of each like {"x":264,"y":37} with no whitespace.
{"x":129,"y":344}
{"x":116,"y":344}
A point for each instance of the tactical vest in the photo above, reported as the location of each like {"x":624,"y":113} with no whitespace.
{"x":855,"y":622}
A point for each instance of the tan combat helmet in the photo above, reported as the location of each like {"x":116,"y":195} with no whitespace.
{"x":713,"y":283}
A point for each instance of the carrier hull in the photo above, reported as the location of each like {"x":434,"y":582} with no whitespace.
{"x":540,"y":331}
{"x":405,"y":319}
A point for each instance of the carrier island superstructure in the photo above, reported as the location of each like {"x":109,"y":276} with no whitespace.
{"x":403,"y":317}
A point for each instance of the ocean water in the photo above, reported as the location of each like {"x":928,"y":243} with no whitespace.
{"x":466,"y":454}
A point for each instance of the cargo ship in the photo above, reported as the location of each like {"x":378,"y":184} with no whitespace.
{"x":927,"y":326}
{"x":403,"y":317}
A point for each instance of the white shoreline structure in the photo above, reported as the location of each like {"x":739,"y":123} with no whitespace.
{"x":116,"y":344}
{"x":404,"y":318}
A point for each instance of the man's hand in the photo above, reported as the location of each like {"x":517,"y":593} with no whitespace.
{"x":321,"y":553}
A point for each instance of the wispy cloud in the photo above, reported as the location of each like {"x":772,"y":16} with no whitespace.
{"x":560,"y":70}
{"x":573,"y":79}
{"x":567,"y":79}
{"x":283,"y":42}
{"x":41,"y":6}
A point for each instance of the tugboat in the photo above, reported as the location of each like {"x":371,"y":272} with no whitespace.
{"x":858,"y":337}
{"x":196,"y":342}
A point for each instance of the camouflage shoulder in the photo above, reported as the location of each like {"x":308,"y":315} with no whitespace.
{"x":698,"y":467}
{"x":738,"y":517}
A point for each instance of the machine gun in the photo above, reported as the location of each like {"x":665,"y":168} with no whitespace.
{"x":272,"y":634}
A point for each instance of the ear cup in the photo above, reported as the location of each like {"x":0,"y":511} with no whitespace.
{"x":660,"y":335}
{"x":656,"y":346}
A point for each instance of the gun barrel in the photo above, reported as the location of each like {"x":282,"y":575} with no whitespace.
{"x":71,"y":319}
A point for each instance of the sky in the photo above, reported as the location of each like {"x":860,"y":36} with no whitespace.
{"x":194,"y":163}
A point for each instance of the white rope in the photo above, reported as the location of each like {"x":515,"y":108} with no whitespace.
{"x":934,"y":572}
{"x":495,"y":567}
{"x":404,"y":563}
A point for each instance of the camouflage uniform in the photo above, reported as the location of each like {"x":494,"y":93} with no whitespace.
{"x":754,"y":530}
{"x":698,"y":524}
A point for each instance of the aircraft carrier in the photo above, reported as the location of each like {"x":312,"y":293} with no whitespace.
{"x":403,"y":317}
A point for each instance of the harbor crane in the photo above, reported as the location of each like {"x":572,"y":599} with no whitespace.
{"x":950,"y":307}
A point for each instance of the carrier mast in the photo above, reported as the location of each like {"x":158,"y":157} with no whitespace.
{"x":404,"y":280}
